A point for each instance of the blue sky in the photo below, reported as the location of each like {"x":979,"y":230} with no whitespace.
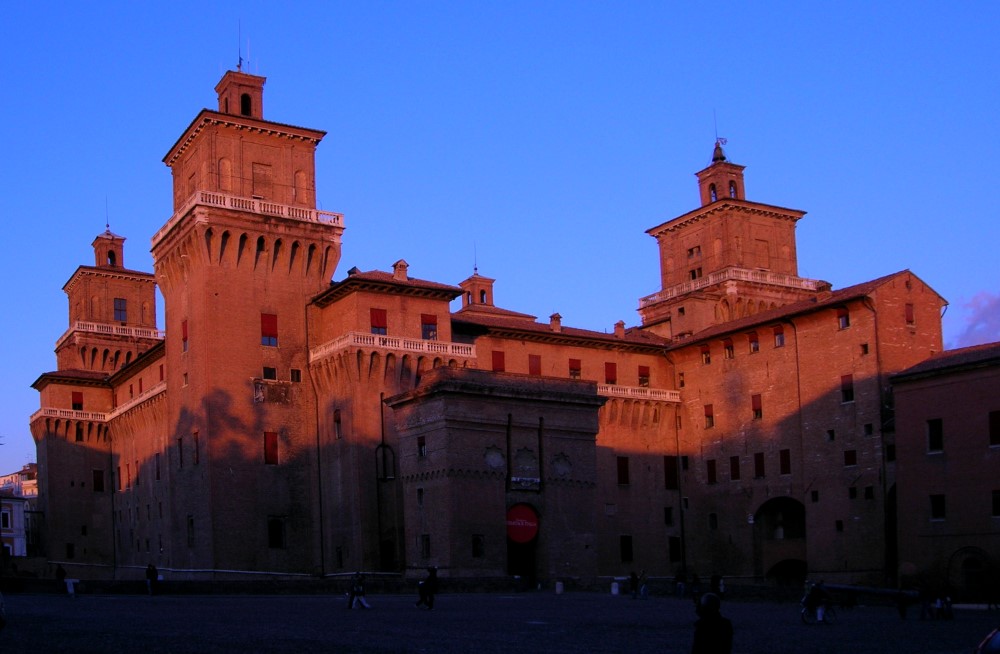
{"x":537,"y":139}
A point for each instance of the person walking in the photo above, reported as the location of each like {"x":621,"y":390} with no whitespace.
{"x":357,"y":594}
{"x":713,"y":633}
{"x":151,"y":577}
{"x":427,"y":588}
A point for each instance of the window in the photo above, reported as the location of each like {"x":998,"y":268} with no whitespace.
{"x":498,"y":362}
{"x":937,"y":507}
{"x":77,"y":401}
{"x":421,"y":446}
{"x":713,"y":195}
{"x":754,"y":342}
{"x":610,"y":373}
{"x":121,"y":313}
{"x":668,"y":515}
{"x":847,"y":388}
{"x":709,"y":416}
{"x":713,"y":521}
{"x":908,"y":311}
{"x":996,"y":504}
{"x":269,"y":329}
{"x":869,"y":429}
{"x":270,"y":448}
{"x":534,"y":364}
{"x":184,"y":336}
{"x":850,"y":457}
{"x":785,"y":462}
{"x":734,"y":468}
{"x":625,"y":548}
{"x":814,"y":496}
{"x":869,"y":492}
{"x":994,"y":428}
{"x":935,"y":435}
{"x":728,"y":351}
{"x":831,"y":435}
{"x":295,"y":375}
{"x":644,"y":376}
{"x":574,"y":369}
{"x":890,"y":451}
{"x":276,"y":533}
{"x":420,"y":497}
{"x":623,"y":471}
{"x":428,"y":327}
{"x":680,"y":380}
{"x":756,"y":407}
{"x":706,"y":355}
{"x":670,"y":475}
{"x":425,"y":546}
{"x":838,"y":525}
{"x":779,"y":336}
{"x":864,"y":349}
{"x":98,"y":484}
{"x":674,"y":547}
{"x":270,"y":373}
{"x":852,"y":493}
{"x":190,"y":530}
{"x":694,"y":252}
{"x":732,"y":189}
{"x":684,"y":462}
{"x":843,"y":318}
{"x":694,"y":273}
{"x":79,"y":432}
{"x":379,"y":321}
{"x":710,"y":475}
{"x":478,"y":546}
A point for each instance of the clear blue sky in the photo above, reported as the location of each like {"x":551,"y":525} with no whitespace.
{"x":541,"y":139}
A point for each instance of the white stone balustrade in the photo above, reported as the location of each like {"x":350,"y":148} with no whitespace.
{"x":396,"y":343}
{"x":728,"y":274}
{"x":96,"y":416}
{"x":111,"y":329}
{"x":639,"y":393}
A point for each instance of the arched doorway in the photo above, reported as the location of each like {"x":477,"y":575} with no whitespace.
{"x":522,"y":540}
{"x":779,"y":536}
{"x":970,"y":573}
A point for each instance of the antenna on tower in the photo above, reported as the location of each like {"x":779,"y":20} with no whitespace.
{"x":239,"y":45}
{"x":475,"y":259}
{"x":107,"y":219}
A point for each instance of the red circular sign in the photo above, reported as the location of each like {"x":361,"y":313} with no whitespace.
{"x":522,"y":523}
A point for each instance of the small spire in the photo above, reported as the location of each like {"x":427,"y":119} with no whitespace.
{"x":718,"y":154}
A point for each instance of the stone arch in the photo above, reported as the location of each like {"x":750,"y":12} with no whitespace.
{"x":970,"y":573}
{"x":292,"y":254}
{"x":779,"y":535}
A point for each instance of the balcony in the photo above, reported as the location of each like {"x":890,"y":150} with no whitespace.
{"x":639,"y":393}
{"x":731,"y":274}
{"x":111,"y":329}
{"x":96,"y":416}
{"x":392,"y":343}
{"x":251,"y":205}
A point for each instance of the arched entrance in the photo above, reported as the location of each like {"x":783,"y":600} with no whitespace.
{"x":779,"y":537}
{"x":522,"y":540}
{"x":970,"y":573}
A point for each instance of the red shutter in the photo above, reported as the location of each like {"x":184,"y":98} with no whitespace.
{"x":709,"y":413}
{"x":271,"y":448}
{"x":425,"y":319}
{"x":755,"y":401}
{"x":847,"y":382}
{"x":574,"y":364}
{"x":498,"y":362}
{"x":184,"y":330}
{"x":269,"y":325}
{"x":644,"y":371}
{"x":534,"y":364}
{"x":610,"y":373}
{"x":378,"y":318}
{"x":909,"y":313}
{"x":77,"y":397}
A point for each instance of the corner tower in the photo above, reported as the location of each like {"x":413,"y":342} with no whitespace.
{"x":727,"y":259}
{"x":241,"y":256}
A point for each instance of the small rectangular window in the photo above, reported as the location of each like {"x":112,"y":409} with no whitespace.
{"x":713,"y":521}
{"x":269,"y":329}
{"x":864,"y":349}
{"x":937,"y":507}
{"x":890,"y":451}
{"x":498,"y":361}
{"x":425,"y":546}
{"x":838,"y":525}
{"x":831,"y":435}
{"x":847,"y":388}
{"x":852,"y":493}
{"x":710,"y":471}
{"x":814,"y":496}
{"x":734,"y":468}
{"x":754,"y":343}
{"x":534,"y":364}
{"x":670,"y":474}
{"x":379,"y":321}
{"x":779,"y":336}
{"x":694,"y":273}
{"x":184,"y":336}
{"x":935,"y":435}
{"x":674,"y":548}
{"x":643,"y":376}
{"x":190,"y":530}
{"x":869,"y":429}
{"x":668,"y":515}
{"x":270,"y":373}
{"x":785,"y":462}
{"x":428,"y":327}
{"x":709,"y":416}
{"x":161,"y":372}
{"x":850,"y":457}
{"x":574,"y":369}
{"x":478,"y":546}
{"x":77,"y":401}
{"x":680,"y":380}
{"x":843,"y":318}
{"x":271,"y":448}
{"x":756,"y":407}
{"x":610,"y":373}
{"x":994,"y":427}
{"x":295,"y":375}
{"x":869,"y":492}
{"x":121,"y":312}
{"x":625,"y":548}
{"x":421,"y":446}
{"x":98,"y":483}
{"x":758,"y":465}
{"x":276,"y":532}
{"x":728,"y":350}
{"x":908,"y":312}
{"x":706,"y":355}
{"x":623,"y":478}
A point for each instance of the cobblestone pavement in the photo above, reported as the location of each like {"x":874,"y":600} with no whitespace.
{"x":528,"y":622}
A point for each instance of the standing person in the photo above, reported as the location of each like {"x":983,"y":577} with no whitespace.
{"x":643,"y":585}
{"x":816,"y":600}
{"x":633,"y":583}
{"x":151,"y":577}
{"x":357,"y":594}
{"x":713,"y":634}
{"x":428,"y":588}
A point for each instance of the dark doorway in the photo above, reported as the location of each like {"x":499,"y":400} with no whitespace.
{"x":521,"y":562}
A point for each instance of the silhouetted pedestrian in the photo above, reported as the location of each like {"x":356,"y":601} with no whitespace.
{"x":357,"y":593}
{"x":713,"y":634}
{"x":151,"y":577}
{"x":427,"y":588}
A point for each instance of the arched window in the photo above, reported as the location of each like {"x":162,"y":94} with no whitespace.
{"x":245,"y":104}
{"x":712,"y":194}
{"x":112,"y":261}
{"x":732,"y":189}
{"x":482,"y":297}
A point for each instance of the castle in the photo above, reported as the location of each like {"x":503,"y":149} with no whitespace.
{"x":286,"y":424}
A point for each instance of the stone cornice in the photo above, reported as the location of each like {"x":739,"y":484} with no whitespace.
{"x":725,"y":205}
{"x":110,"y":273}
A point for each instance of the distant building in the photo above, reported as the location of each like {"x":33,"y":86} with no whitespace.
{"x":23,"y":483}
{"x":948,"y":469}
{"x":283,"y":424}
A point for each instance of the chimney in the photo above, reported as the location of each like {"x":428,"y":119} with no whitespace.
{"x":620,"y":329}
{"x":399,"y":270}
{"x":555,"y":322}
